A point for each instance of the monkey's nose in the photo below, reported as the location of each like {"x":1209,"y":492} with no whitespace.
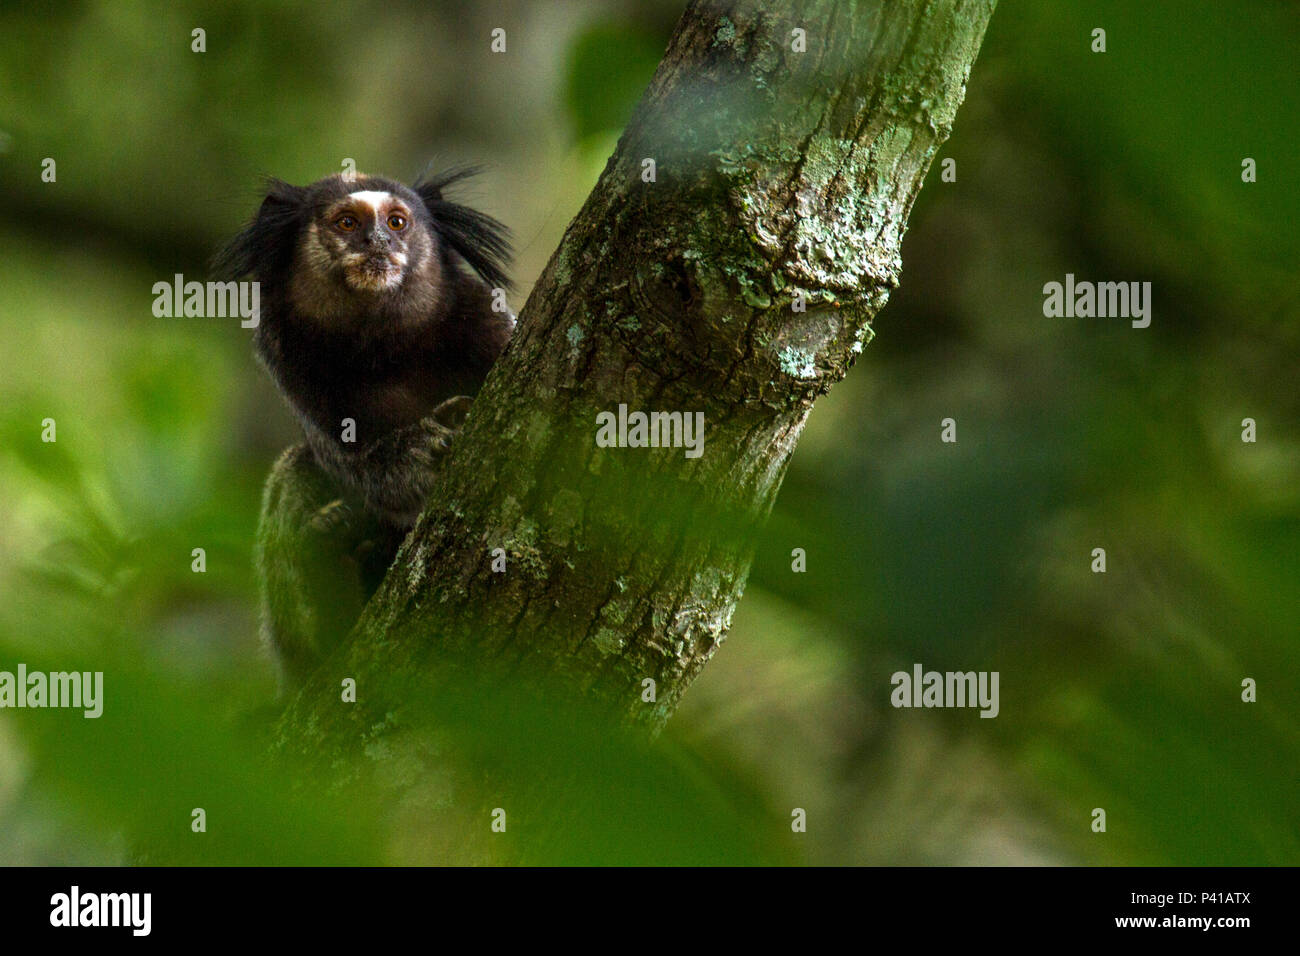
{"x":379,"y":238}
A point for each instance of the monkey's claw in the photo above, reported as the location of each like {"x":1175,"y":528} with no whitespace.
{"x":452,"y":412}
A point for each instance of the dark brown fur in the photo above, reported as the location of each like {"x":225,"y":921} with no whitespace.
{"x":369,"y":323}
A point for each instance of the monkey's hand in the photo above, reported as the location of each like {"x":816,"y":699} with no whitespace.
{"x":331,"y":519}
{"x":427,"y":442}
{"x":453,"y":411}
{"x":393,"y":475}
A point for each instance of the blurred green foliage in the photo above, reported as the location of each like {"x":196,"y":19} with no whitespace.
{"x":608,"y":68}
{"x":1119,"y":691}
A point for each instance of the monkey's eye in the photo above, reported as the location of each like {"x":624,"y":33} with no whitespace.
{"x":345,"y":223}
{"x":396,"y":222}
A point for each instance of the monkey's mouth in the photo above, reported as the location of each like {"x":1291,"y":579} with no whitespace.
{"x":374,"y":273}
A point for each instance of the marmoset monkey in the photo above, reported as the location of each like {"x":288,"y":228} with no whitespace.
{"x":377,"y":337}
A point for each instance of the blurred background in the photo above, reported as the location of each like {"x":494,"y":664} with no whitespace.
{"x":1119,"y":690}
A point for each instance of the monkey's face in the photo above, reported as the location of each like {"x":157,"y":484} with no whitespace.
{"x":372,"y":238}
{"x":364,"y":249}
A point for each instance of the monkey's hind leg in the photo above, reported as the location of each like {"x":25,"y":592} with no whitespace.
{"x":311,"y":589}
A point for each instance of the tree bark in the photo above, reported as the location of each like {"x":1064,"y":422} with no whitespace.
{"x":781,"y":176}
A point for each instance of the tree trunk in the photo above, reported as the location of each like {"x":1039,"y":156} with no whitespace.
{"x":729,"y":261}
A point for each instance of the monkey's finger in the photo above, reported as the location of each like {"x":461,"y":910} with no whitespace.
{"x":452,"y":412}
{"x":439,"y":442}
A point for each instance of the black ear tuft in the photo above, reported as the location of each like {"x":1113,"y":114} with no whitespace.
{"x":265,"y":246}
{"x":483,"y":242}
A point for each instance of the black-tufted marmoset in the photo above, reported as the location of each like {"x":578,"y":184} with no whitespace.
{"x":377,"y":336}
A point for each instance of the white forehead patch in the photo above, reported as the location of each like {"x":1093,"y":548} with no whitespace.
{"x":375,"y":200}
